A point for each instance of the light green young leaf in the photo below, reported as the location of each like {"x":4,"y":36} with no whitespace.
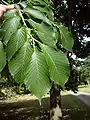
{"x":46,"y":34}
{"x":9,"y":27}
{"x":10,"y":14}
{"x":16,"y":42}
{"x":19,"y":63}
{"x":58,"y":64}
{"x":37,"y":75}
{"x":66,"y":38}
{"x":2,"y":57}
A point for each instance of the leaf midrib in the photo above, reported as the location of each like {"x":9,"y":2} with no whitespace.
{"x":52,"y":61}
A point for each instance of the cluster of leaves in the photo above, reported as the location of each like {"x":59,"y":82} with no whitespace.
{"x":75,"y":14}
{"x":72,"y":13}
{"x":28,"y":44}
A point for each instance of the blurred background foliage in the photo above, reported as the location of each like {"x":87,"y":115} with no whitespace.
{"x":75,"y":14}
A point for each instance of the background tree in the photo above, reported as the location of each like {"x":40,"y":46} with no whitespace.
{"x":85,"y":70}
{"x":74,"y":15}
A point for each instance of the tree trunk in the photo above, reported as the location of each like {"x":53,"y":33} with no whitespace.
{"x":69,"y":14}
{"x":55,"y":103}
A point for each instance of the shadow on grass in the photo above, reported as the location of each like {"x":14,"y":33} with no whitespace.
{"x":72,"y":109}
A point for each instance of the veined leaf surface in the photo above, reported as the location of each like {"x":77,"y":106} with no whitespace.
{"x":58,"y":64}
{"x":2,"y":57}
{"x":45,"y":33}
{"x":9,"y":27}
{"x":16,"y":41}
{"x":37,"y":14}
{"x":10,"y":14}
{"x":37,"y":75}
{"x":19,"y":63}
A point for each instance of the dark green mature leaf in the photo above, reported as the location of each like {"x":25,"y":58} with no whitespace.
{"x":66,"y":38}
{"x":38,"y":2}
{"x":2,"y":57}
{"x":37,"y":14}
{"x":37,"y":75}
{"x":58,"y":64}
{"x":9,"y":27}
{"x":45,"y":10}
{"x":16,"y":41}
{"x":47,"y":34}
{"x":19,"y":63}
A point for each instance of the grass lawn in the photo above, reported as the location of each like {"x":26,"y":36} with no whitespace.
{"x":27,"y":107}
{"x":85,"y":89}
{"x":71,"y":102}
{"x":73,"y":108}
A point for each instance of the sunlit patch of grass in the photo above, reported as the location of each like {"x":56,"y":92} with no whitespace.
{"x":85,"y":89}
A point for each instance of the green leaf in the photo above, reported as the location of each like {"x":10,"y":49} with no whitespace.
{"x":9,"y":27}
{"x":2,"y":57}
{"x":46,"y":34}
{"x":45,"y":10}
{"x":37,"y":14}
{"x":10,"y":14}
{"x":66,"y":38}
{"x":38,"y":2}
{"x":23,"y":4}
{"x":58,"y":64}
{"x":37,"y":75}
{"x":19,"y":63}
{"x":16,"y":41}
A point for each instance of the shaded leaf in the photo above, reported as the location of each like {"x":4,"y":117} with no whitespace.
{"x":2,"y":57}
{"x":45,"y":10}
{"x":66,"y":38}
{"x":46,"y":34}
{"x":37,"y":14}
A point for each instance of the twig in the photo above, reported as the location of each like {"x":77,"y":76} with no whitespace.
{"x":4,"y":2}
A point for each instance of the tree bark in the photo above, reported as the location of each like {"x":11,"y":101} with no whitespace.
{"x":69,"y":14}
{"x":55,"y":103}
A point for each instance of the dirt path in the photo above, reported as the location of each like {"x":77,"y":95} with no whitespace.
{"x":27,"y":107}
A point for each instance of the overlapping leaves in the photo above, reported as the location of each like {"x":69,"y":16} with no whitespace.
{"x":30,"y":42}
{"x":58,"y":64}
